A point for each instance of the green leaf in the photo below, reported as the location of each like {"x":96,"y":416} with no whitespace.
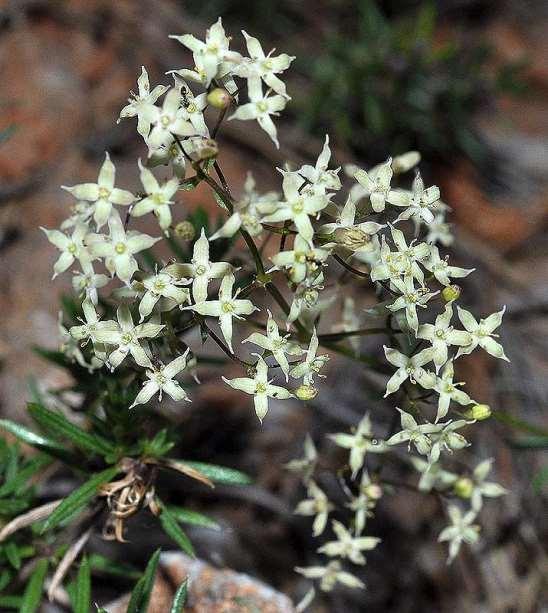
{"x":177,"y":606}
{"x":186,"y":516}
{"x":36,"y":440}
{"x":173,"y":530}
{"x":59,"y":425}
{"x":10,"y":602}
{"x":221,"y":474}
{"x":83,"y":587}
{"x":79,"y":498}
{"x":12,"y":553}
{"x":32,"y":467}
{"x":140,"y":595}
{"x":33,"y":592}
{"x":103,"y":564}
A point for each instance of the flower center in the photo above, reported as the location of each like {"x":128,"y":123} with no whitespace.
{"x":298,"y":206}
{"x":260,"y":388}
{"x":200,"y":269}
{"x":159,"y":285}
{"x":120,"y":248}
{"x":267,"y":65}
{"x":72,"y":248}
{"x":126,"y":338}
{"x":262,"y":106}
{"x":227,"y":307}
{"x":158,"y":198}
{"x":104,"y":193}
{"x":440,"y":334}
{"x":165,"y":120}
{"x":300,"y":257}
{"x":191,"y":108}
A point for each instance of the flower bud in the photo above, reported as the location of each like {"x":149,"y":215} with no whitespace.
{"x":351,"y":238}
{"x":463,"y":487}
{"x":219,"y":98}
{"x":406,"y":161}
{"x":373,"y":491}
{"x":479,"y":412}
{"x":306,"y":392}
{"x":450,"y":293}
{"x":185,"y":230}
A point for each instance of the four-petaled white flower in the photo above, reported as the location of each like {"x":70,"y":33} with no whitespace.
{"x":348,"y":546}
{"x":70,"y":347}
{"x":90,"y":324}
{"x":127,"y":338}
{"x":359,"y":443}
{"x":482,"y":333}
{"x":87,"y":282}
{"x":447,"y":439}
{"x":462,"y":530}
{"x":161,"y":380}
{"x":192,"y":108}
{"x":369,"y":493}
{"x":441,"y":335}
{"x":490,"y":489}
{"x":261,"y":66}
{"x":137,"y":103}
{"x":261,"y":107}
{"x":102,"y":194}
{"x":260,"y":388}
{"x":162,"y":285}
{"x":71,"y":247}
{"x":278,"y":345}
{"x":209,"y":54}
{"x":226,"y":308}
{"x":419,"y":203}
{"x":304,"y":259}
{"x":321,"y":179}
{"x":376,"y":184}
{"x":441,"y":268}
{"x":330,"y":575}
{"x":404,"y":262}
{"x":317,"y":504}
{"x":306,"y":465}
{"x":297,"y":207}
{"x":202,"y":270}
{"x":409,"y":367}
{"x":158,"y":199}
{"x":433,"y":476}
{"x":119,"y":248}
{"x":415,"y":434}
{"x":312,"y":364}
{"x":411,"y":298}
{"x":448,"y":390}
{"x":167,"y":121}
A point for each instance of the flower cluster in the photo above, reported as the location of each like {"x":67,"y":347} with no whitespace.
{"x":369,"y":235}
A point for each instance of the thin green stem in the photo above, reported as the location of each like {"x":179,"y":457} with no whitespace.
{"x":351,"y":269}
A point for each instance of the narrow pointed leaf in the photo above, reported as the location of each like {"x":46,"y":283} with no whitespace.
{"x":59,"y":425}
{"x":187,"y":516}
{"x":179,"y":599}
{"x":83,"y":588}
{"x":36,"y":440}
{"x":76,"y":501}
{"x":173,"y":530}
{"x":33,"y":592}
{"x":140,"y":596}
{"x":221,"y":474}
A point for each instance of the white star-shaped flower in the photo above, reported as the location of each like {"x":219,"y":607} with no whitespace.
{"x":317,"y":504}
{"x":359,"y":443}
{"x":158,"y":199}
{"x":202,"y":270}
{"x":161,"y":380}
{"x":441,"y":268}
{"x":260,"y":388}
{"x":103,"y":195}
{"x":278,"y":345}
{"x":376,"y":184}
{"x":320,"y":178}
{"x":127,"y":338}
{"x":162,"y":285}
{"x":137,"y":103}
{"x":482,"y":333}
{"x":167,"y":121}
{"x":409,"y":368}
{"x":448,"y":440}
{"x":462,"y":530}
{"x":119,"y":248}
{"x":297,"y":207}
{"x":330,"y":575}
{"x":433,"y":476}
{"x":448,"y":390}
{"x":413,"y":433}
{"x":87,"y":282}
{"x":71,"y":247}
{"x":482,"y":487}
{"x":411,"y":298}
{"x":419,"y":203}
{"x":312,"y":364}
{"x":261,"y":107}
{"x":348,"y":546}
{"x":302,"y":261}
{"x":442,"y":335}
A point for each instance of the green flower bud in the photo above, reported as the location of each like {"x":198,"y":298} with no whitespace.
{"x":463,"y":487}
{"x":219,"y":98}
{"x":479,"y":412}
{"x":185,"y":230}
{"x":451,"y":293}
{"x":373,"y":491}
{"x":306,"y":392}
